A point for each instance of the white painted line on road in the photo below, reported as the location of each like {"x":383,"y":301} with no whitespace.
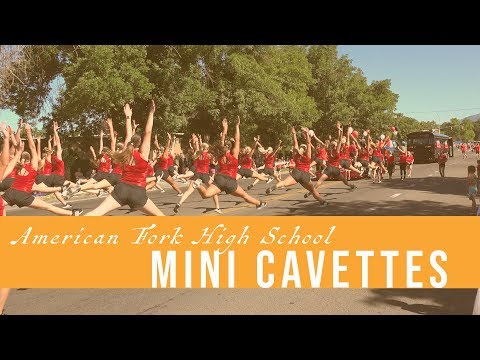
{"x":430,"y":175}
{"x":395,"y":195}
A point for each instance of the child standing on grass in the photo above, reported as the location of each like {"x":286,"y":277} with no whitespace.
{"x":442,"y":162}
{"x":472,"y":180}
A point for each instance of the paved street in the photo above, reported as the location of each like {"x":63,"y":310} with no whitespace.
{"x":423,"y":194}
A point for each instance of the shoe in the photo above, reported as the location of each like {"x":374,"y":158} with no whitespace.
{"x":180,"y":194}
{"x":353,"y":187}
{"x":380,"y":181}
{"x":219,"y":211}
{"x":196,"y":183}
{"x":262,"y":205}
{"x":73,"y":190}
{"x":270,"y":180}
{"x":175,"y":209}
{"x":77,"y":212}
{"x":162,"y":191}
{"x":249,"y":187}
{"x":65,"y":193}
{"x":306,"y":195}
{"x":67,"y":207}
{"x":323,"y":204}
{"x":269,"y":190}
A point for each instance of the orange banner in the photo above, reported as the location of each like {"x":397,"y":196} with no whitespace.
{"x":239,"y":252}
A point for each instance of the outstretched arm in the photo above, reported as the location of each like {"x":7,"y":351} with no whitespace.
{"x":166,"y":152}
{"x":339,"y":140}
{"x":254,"y":146}
{"x":19,"y":130}
{"x":5,"y":156}
{"x":224,"y":131}
{"x":11,"y":165}
{"x":94,"y":156}
{"x":101,"y":141}
{"x":57,"y":140}
{"x":113,"y":138}
{"x":49,"y":153}
{"x":236,"y":147}
{"x":295,"y":142}
{"x":278,"y":147}
{"x":31,"y":146}
{"x":39,"y":146}
{"x":309,"y":142}
{"x":128,"y":124}
{"x":318,"y":140}
{"x":147,"y":136}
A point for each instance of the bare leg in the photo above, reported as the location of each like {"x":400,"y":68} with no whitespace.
{"x":42,"y":205}
{"x":209,"y":192}
{"x":150,"y":185}
{"x":3,"y":298}
{"x":187,"y":175}
{"x":60,"y":198}
{"x":255,"y":182}
{"x":187,"y":193}
{"x":320,"y":181}
{"x":151,"y":209}
{"x":172,"y":183}
{"x":109,"y":204}
{"x":216,"y":202}
{"x":311,"y":188}
{"x":261,"y":177}
{"x":239,"y":192}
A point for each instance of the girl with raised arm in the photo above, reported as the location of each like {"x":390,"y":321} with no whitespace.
{"x":268,"y":167}
{"x":162,"y":165}
{"x":301,"y":173}
{"x":20,"y":193}
{"x":226,"y":178}
{"x":332,"y":170}
{"x":202,"y":160}
{"x":134,"y":158}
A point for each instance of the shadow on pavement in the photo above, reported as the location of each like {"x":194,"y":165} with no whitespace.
{"x":368,"y":208}
{"x":434,"y":184}
{"x":446,"y":301}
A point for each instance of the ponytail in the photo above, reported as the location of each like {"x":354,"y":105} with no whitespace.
{"x":123,"y":156}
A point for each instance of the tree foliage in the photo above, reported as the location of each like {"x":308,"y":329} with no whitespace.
{"x":195,"y":86}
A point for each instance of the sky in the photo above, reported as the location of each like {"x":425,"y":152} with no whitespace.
{"x":429,"y":79}
{"x":434,"y":82}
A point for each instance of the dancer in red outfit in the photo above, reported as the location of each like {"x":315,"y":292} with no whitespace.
{"x":134,"y":158}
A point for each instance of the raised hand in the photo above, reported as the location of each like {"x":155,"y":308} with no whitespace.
{"x":135,"y":125}
{"x":101,"y":132}
{"x":225,"y":125}
{"x":55,"y":126}
{"x":256,"y":138}
{"x":152,"y":107}
{"x":28,"y":128}
{"x":339,"y":126}
{"x":92,"y":149}
{"x":109,"y":122}
{"x":169,"y":136}
{"x":115,"y":134}
{"x":293,"y":130}
{"x":238,"y":120}
{"x":127,"y":111}
{"x":305,"y":129}
{"x":6,"y":130}
{"x":20,"y":123}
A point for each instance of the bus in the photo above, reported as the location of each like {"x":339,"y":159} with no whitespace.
{"x":427,"y":145}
